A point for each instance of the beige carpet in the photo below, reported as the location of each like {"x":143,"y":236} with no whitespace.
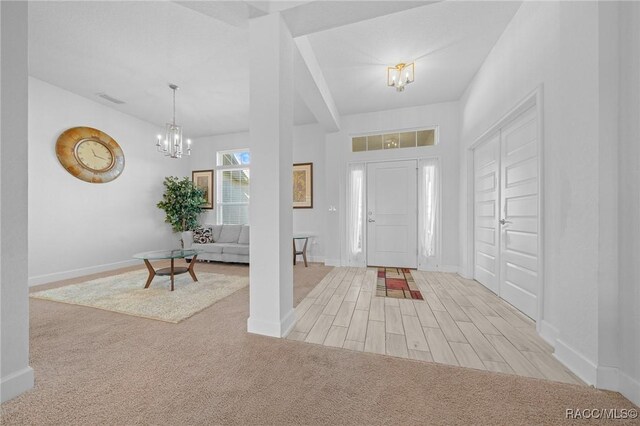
{"x":97,"y":367}
{"x":125,"y":293}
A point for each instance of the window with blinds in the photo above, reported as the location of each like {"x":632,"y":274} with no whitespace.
{"x":412,"y":139}
{"x":233,"y":177}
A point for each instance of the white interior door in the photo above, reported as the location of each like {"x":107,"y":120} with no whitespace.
{"x":506,"y":213}
{"x":486,"y":208}
{"x":392,"y":214}
{"x":519,"y":223}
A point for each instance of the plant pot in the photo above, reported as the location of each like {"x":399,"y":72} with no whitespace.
{"x":186,"y":239}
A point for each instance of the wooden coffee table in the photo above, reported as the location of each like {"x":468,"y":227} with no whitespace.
{"x":172,"y":270}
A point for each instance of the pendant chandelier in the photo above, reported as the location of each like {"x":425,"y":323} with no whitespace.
{"x":172,"y":144}
{"x":400,"y":76}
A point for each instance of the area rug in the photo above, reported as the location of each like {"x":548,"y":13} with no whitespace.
{"x":397,"y":283}
{"x":125,"y":294}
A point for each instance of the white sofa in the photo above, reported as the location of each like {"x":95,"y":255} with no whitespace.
{"x":230,"y":244}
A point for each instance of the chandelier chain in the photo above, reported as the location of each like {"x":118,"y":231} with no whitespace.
{"x":174,"y":105}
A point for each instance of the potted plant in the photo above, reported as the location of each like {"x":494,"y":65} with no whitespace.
{"x":182,"y":203}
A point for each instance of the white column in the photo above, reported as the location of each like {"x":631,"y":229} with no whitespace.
{"x":271,"y":131}
{"x":16,"y":375}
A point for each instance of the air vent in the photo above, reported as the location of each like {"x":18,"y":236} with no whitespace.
{"x":110,"y":99}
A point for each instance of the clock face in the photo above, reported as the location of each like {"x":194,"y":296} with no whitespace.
{"x":94,"y":155}
{"x":90,"y":154}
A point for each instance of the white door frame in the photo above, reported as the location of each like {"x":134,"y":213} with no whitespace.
{"x":438,"y":220}
{"x":532,"y":100}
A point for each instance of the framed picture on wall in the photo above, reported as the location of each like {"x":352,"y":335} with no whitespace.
{"x":303,"y":186}
{"x":203,"y":179}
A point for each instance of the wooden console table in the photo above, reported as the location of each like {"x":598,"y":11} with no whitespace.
{"x":302,"y":252}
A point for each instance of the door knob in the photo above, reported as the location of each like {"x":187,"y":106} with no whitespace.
{"x":371,"y":220}
{"x":504,"y":222}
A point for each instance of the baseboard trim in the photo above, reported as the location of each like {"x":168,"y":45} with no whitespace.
{"x":74,"y":273}
{"x":602,"y":377}
{"x":16,"y":383}
{"x":629,"y":387}
{"x":440,"y":268}
{"x":548,"y":332}
{"x":611,"y":378}
{"x":272,"y":329}
{"x":580,"y":365}
{"x":288,"y":323}
{"x":608,"y":378}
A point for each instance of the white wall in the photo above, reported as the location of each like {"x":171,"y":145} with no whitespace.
{"x":608,"y":139}
{"x":15,"y":374}
{"x":629,"y":196}
{"x":338,"y":155}
{"x":553,"y":44}
{"x":308,"y":147}
{"x":77,"y":228}
{"x":557,"y":45}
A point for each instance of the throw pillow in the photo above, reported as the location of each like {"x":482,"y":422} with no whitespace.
{"x":229,"y":234}
{"x":244,"y":235}
{"x":202,"y":235}
{"x":216,"y":230}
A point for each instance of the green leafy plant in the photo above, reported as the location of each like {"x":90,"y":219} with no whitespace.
{"x":181,"y":202}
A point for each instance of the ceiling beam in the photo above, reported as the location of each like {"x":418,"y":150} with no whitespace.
{"x":302,"y":16}
{"x":312,"y":87}
{"x":314,"y":16}
{"x":277,"y":5}
{"x":235,"y":13}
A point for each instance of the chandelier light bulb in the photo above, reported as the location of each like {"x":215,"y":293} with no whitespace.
{"x":395,"y":78}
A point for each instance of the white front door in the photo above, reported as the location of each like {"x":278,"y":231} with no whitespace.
{"x":392,"y":214}
{"x":486,"y":163}
{"x":519,"y":221}
{"x":506,"y":213}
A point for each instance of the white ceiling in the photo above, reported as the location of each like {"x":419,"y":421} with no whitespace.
{"x":132,"y":50}
{"x":448,"y":42}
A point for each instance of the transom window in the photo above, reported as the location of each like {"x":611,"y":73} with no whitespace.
{"x":234,"y":158}
{"x":393,"y":140}
{"x":233,"y":184}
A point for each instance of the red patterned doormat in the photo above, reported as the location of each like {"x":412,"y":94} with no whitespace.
{"x":397,"y":283}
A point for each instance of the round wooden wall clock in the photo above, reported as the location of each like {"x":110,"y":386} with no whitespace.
{"x":90,"y":154}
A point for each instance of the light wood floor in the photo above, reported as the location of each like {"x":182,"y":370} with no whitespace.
{"x":459,"y":323}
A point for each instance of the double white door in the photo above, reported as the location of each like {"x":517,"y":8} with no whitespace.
{"x":506,"y":213}
{"x":392,"y":214}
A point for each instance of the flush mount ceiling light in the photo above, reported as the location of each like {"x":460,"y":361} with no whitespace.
{"x":390,"y":142}
{"x":172,"y":145}
{"x":400,"y":75}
